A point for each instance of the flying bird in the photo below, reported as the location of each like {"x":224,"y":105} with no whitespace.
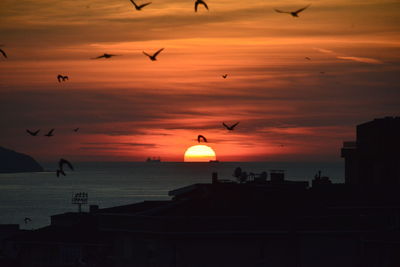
{"x":293,"y":13}
{"x":27,"y":219}
{"x":3,"y":53}
{"x":153,"y":57}
{"x":61,"y":164}
{"x":32,"y":133}
{"x":105,"y":55}
{"x":139,"y":7}
{"x":199,"y":2}
{"x":307,"y":58}
{"x":224,"y":76}
{"x":230,"y":128}
{"x":61,"y":78}
{"x":76,"y":129}
{"x":50,"y":133}
{"x":200,"y":137}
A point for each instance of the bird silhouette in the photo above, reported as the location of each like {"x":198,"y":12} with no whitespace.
{"x":199,"y":2}
{"x":230,"y":128}
{"x":27,"y":219}
{"x":61,"y":78}
{"x":76,"y":129}
{"x":32,"y":133}
{"x":295,"y":14}
{"x":105,"y":55}
{"x":139,"y":7}
{"x":50,"y":133}
{"x":3,"y":53}
{"x":82,"y":262}
{"x":224,"y":76}
{"x":307,"y":58}
{"x":200,"y":137}
{"x":61,"y":164}
{"x":154,"y":56}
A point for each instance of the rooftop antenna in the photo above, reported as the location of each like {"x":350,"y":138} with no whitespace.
{"x":80,"y":199}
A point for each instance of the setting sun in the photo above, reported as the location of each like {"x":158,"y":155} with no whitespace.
{"x":199,"y":153}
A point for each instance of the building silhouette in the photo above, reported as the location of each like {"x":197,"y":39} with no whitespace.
{"x":275,"y":223}
{"x":374,"y":158}
{"x":254,"y":221}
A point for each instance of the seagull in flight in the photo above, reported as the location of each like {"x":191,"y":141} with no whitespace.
{"x":295,"y":14}
{"x":61,"y":78}
{"x":3,"y":53}
{"x":32,"y":133}
{"x":139,"y":7}
{"x":76,"y":129}
{"x":27,"y":219}
{"x":154,"y":56}
{"x":50,"y":133}
{"x":105,"y":55}
{"x":200,"y":137}
{"x":230,"y":128}
{"x":199,"y":2}
{"x":224,"y":76}
{"x":61,"y":164}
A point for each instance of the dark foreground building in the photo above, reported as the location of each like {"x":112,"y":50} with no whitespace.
{"x":374,"y":158}
{"x":258,"y":222}
{"x":226,"y":224}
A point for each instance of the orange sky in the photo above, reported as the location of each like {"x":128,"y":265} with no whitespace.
{"x":130,"y":108}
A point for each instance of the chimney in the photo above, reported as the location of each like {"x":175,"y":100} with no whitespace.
{"x":93,"y":208}
{"x":215,"y":177}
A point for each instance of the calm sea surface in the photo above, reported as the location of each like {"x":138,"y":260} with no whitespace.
{"x":40,"y":195}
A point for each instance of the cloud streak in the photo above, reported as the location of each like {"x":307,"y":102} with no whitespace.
{"x":361,"y":59}
{"x":351,"y":58}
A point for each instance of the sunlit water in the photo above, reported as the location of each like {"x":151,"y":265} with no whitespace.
{"x":40,"y":195}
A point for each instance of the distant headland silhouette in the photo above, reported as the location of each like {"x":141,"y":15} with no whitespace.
{"x":11,"y":161}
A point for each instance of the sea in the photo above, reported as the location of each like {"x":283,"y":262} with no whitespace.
{"x":40,"y":195}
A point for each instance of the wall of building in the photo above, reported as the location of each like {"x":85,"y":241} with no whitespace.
{"x":277,"y":250}
{"x":375,"y":160}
